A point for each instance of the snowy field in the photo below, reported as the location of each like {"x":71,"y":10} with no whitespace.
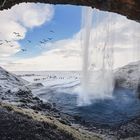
{"x":51,"y":78}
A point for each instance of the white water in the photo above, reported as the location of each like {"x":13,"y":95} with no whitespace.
{"x":136,"y":52}
{"x":97,"y":74}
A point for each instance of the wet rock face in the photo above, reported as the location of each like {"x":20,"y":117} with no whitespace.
{"x":128,"y":8}
{"x":128,"y":76}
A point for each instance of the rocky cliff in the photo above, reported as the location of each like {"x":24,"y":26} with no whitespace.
{"x":129,"y":76}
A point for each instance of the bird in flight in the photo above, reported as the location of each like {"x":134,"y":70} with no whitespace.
{"x":29,"y":41}
{"x":41,"y":42}
{"x":23,"y":50}
{"x":17,"y":34}
{"x":7,"y":41}
{"x":51,"y":31}
{"x":45,"y":40}
{"x":50,"y":38}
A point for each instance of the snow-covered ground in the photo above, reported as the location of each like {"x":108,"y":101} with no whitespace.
{"x":12,"y":86}
{"x":51,"y":78}
{"x":9,"y":81}
{"x":127,"y":77}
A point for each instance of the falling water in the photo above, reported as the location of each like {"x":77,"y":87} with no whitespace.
{"x":97,"y":74}
{"x":136,"y":55}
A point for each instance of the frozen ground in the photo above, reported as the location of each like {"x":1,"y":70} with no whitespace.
{"x":51,"y":78}
{"x":11,"y":85}
{"x":9,"y":81}
{"x":127,"y":76}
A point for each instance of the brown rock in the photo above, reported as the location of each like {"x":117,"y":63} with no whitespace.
{"x":128,"y":8}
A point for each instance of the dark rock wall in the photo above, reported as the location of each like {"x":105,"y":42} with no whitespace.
{"x":128,"y":8}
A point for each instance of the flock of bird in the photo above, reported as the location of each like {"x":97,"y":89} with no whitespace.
{"x":43,"y":41}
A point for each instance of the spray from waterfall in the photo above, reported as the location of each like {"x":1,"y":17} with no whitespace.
{"x":97,"y":70}
{"x":136,"y":56}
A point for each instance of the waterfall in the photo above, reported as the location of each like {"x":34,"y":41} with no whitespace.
{"x":97,"y":70}
{"x":136,"y":55}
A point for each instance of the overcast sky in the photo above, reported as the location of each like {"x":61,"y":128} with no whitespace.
{"x":61,"y":26}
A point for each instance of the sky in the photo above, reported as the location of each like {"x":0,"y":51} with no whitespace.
{"x":24,"y":27}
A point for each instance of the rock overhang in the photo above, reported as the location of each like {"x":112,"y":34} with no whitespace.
{"x":128,"y":8}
